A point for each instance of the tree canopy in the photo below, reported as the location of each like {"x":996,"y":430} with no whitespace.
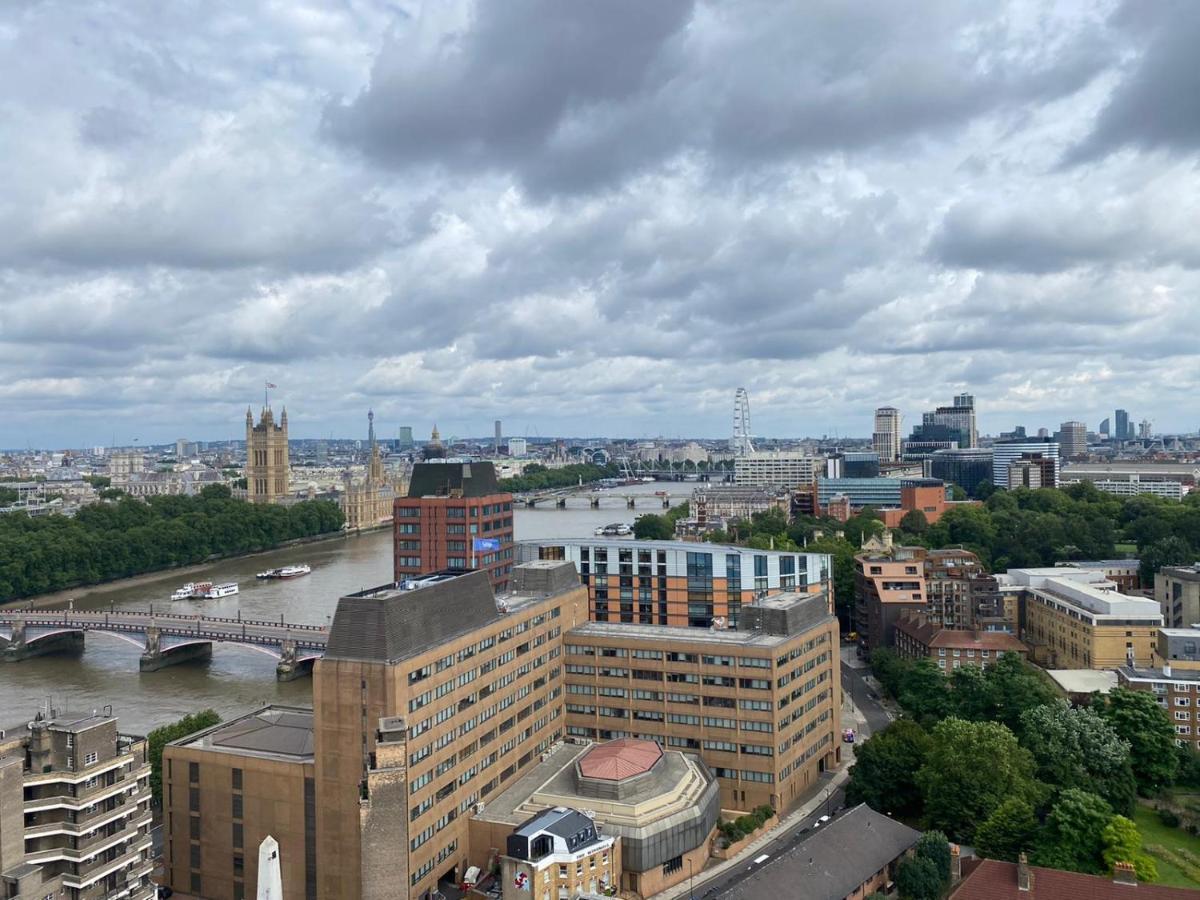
{"x":157,"y":739}
{"x":1075,"y":747}
{"x":884,"y":772}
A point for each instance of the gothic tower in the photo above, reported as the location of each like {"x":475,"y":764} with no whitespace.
{"x":266,"y":457}
{"x":375,"y":463}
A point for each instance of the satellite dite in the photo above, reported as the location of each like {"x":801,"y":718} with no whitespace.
{"x":270,"y":884}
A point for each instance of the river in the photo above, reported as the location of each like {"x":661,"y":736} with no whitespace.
{"x":238,"y":679}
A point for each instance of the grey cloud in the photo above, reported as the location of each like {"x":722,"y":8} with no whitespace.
{"x":1157,"y":104}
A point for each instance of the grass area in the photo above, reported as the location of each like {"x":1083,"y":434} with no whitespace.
{"x":1126,"y":549}
{"x":1173,"y":839}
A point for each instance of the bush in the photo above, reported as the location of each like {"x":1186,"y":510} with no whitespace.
{"x":1167,"y":817}
{"x":733,"y":830}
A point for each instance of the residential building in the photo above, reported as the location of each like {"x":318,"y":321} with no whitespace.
{"x":558,"y":852}
{"x":1133,"y":486}
{"x":1004,"y":453}
{"x":267,"y":463}
{"x":74,"y":809}
{"x":657,"y":809}
{"x":679,"y":582}
{"x":1033,"y":470}
{"x":852,"y":857}
{"x":454,"y":517}
{"x":953,"y":588}
{"x":787,"y":469}
{"x":967,"y":468}
{"x":427,"y":701}
{"x":518,"y":446}
{"x":862,"y":492}
{"x":714,"y":505}
{"x":994,"y":879}
{"x":885,"y":440}
{"x":1145,"y":430}
{"x":1173,"y":676}
{"x":1177,"y":590}
{"x":227,"y":788}
{"x":1104,"y":428}
{"x":760,"y":704}
{"x":887,"y":583}
{"x":950,"y":423}
{"x":1077,"y":619}
{"x":952,"y":648}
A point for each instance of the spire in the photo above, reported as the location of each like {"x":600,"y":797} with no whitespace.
{"x":371,"y":426}
{"x":435,"y":437}
{"x":283,"y":418}
{"x":249,"y":417}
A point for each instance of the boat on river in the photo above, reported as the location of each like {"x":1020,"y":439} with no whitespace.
{"x":205,"y":590}
{"x":286,"y":571}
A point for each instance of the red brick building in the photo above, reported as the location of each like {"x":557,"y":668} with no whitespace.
{"x":952,"y":648}
{"x":454,"y":517}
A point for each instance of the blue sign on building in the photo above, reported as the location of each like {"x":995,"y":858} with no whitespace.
{"x":486,"y":545}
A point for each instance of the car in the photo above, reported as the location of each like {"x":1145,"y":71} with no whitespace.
{"x":821,"y":821}
{"x":848,"y":735}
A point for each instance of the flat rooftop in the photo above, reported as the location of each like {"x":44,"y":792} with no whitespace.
{"x":659,"y":634}
{"x":685,"y":546}
{"x":1083,"y":681}
{"x":273,"y":732}
{"x":1133,"y":672}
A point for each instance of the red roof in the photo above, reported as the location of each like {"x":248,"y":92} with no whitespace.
{"x":991,"y":879}
{"x":620,"y":759}
{"x":933,"y":635}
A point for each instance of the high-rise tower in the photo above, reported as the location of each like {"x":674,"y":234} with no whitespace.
{"x":266,"y":457}
{"x":886,"y":439}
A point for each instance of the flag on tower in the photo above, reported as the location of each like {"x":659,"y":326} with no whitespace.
{"x":272,"y":385}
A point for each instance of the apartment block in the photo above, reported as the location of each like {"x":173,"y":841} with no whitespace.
{"x":429,"y":699}
{"x":1078,"y":619}
{"x":680,"y":582}
{"x":454,"y":517}
{"x":776,"y":468}
{"x":229,"y":787}
{"x":888,"y":582}
{"x":74,"y":810}
{"x":1177,"y":590}
{"x":760,"y":704}
{"x":953,"y":648}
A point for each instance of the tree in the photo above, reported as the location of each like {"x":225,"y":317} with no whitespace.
{"x":923,"y":692}
{"x":1076,"y":747}
{"x":914,"y":522}
{"x":651,"y":527}
{"x":935,"y":847}
{"x":1011,"y":829}
{"x":1016,"y":686}
{"x":985,"y":489}
{"x":1074,"y":835}
{"x":918,"y":879}
{"x":883,"y":774}
{"x":1123,"y":843}
{"x":1143,"y":724}
{"x":1167,"y":551}
{"x":889,"y":669}
{"x":970,"y":769}
{"x":157,"y":739}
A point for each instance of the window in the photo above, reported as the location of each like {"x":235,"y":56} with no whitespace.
{"x":193,"y":772}
{"x":237,"y":806}
{"x":238,"y":835}
{"x":673,"y":865}
{"x":237,"y":779}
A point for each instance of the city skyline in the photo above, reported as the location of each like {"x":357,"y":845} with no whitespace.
{"x":371,"y":207}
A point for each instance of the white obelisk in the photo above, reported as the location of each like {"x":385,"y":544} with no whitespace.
{"x":270,"y":883}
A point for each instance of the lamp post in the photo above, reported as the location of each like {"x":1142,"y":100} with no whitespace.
{"x":691,"y":881}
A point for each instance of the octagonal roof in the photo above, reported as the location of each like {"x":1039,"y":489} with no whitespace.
{"x":620,"y":759}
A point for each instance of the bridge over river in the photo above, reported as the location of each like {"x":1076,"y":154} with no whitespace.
{"x":166,"y":639}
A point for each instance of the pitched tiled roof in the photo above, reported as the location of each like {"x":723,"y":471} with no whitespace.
{"x":933,"y":635}
{"x":991,"y":879}
{"x":620,"y":759}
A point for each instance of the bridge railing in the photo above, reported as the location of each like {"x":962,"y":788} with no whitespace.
{"x":83,"y":615}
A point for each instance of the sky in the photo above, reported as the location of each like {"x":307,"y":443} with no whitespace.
{"x":594,"y":218}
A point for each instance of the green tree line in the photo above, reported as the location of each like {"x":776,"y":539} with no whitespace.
{"x":537,"y":477}
{"x":996,"y":759}
{"x":106,"y":541}
{"x":157,"y":739}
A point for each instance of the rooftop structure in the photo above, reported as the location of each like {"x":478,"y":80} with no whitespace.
{"x":993,"y":879}
{"x":274,"y":732}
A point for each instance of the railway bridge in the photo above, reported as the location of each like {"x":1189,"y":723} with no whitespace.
{"x":166,"y":639}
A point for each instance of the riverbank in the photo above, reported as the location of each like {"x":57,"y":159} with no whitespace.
{"x":58,"y":598}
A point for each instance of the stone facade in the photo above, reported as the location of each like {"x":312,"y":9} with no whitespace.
{"x":267,"y":457}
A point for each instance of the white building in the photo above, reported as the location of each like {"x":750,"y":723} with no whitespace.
{"x":779,"y":467}
{"x":1004,"y":453}
{"x":885,"y":441}
{"x":1172,"y":490}
{"x":1072,"y":438}
{"x":517,"y":446}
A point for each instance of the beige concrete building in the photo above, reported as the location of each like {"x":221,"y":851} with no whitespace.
{"x":1174,"y":678}
{"x":427,"y":702}
{"x":1077,"y":619}
{"x":1177,"y":590}
{"x":225,"y":790}
{"x":74,"y":810}
{"x":266,"y":457}
{"x":760,"y":705}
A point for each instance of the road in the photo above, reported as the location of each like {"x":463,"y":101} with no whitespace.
{"x":832,"y":799}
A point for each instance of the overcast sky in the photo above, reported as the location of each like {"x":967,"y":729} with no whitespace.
{"x":594,"y":218}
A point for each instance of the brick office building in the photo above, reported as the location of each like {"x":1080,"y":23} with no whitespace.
{"x":449,"y":506}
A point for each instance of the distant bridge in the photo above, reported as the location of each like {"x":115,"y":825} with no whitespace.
{"x":166,"y":639}
{"x":559,"y":497}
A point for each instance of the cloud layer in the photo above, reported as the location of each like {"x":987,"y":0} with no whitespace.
{"x":594,"y":218}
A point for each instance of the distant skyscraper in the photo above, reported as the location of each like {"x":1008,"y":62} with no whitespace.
{"x":886,"y":438}
{"x":950,"y":423}
{"x":1104,"y":427}
{"x":741,"y":444}
{"x":1144,"y":429}
{"x":1072,"y":439}
{"x":496,"y":442}
{"x":1124,"y":429}
{"x":517,"y":446}
{"x":406,"y":438}
{"x":1043,"y":433}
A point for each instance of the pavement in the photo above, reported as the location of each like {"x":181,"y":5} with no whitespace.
{"x":863,"y":710}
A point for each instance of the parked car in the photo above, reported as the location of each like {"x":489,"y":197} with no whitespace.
{"x":848,"y":735}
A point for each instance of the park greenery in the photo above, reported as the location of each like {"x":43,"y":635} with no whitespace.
{"x":653,"y":527}
{"x":1011,"y":529}
{"x":157,"y":739}
{"x":536,"y":477}
{"x":1060,"y":783}
{"x":733,"y":830}
{"x":128,"y":536}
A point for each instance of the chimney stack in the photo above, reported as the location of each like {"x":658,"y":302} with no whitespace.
{"x":1124,"y":873}
{"x":955,"y":864}
{"x":1024,"y":874}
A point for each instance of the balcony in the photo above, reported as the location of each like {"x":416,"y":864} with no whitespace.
{"x":83,"y":824}
{"x":89,"y":875}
